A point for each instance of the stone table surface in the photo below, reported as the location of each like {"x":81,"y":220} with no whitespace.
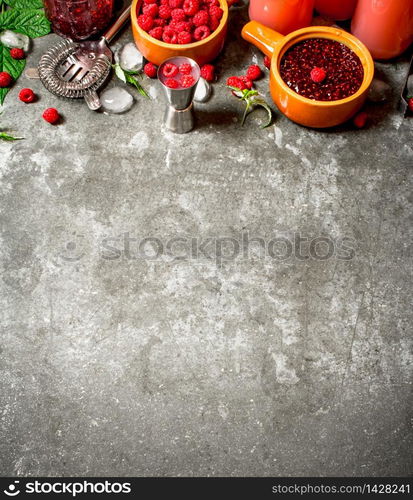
{"x":146,"y":331}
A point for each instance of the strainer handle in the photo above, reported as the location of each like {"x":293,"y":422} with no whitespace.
{"x":117,"y":25}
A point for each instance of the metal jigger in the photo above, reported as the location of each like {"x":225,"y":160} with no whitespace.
{"x":179,"y":115}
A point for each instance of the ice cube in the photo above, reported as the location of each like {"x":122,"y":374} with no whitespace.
{"x":203,"y":91}
{"x":116,"y":100}
{"x":379,"y":91}
{"x":129,"y":57}
{"x":15,"y":40}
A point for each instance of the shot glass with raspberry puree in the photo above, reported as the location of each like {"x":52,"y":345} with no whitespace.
{"x":78,"y":19}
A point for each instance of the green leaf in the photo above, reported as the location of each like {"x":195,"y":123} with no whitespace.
{"x":24,"y":4}
{"x":30,"y":22}
{"x":120,"y":73}
{"x":7,"y":137}
{"x":12,"y":66}
{"x":129,"y":77}
{"x":133,"y":81}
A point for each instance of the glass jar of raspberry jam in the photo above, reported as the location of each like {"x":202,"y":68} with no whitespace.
{"x":78,"y":19}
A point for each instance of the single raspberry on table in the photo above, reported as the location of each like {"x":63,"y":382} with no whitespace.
{"x":208,"y":72}
{"x":5,"y":79}
{"x":150,"y":9}
{"x":360,"y":120}
{"x":201,"y":18}
{"x":17,"y":53}
{"x":169,"y":70}
{"x":191,"y":7}
{"x":201,"y":32}
{"x":175,"y":4}
{"x":165,"y":12}
{"x":185,"y":69}
{"x":254,"y":72}
{"x":184,"y":37}
{"x":145,"y":22}
{"x":171,"y":83}
{"x":235,"y":81}
{"x":410,"y":104}
{"x":51,"y":115}
{"x":178,"y":15}
{"x":156,"y":33}
{"x":247,"y":82}
{"x":267,"y":62}
{"x":318,"y":75}
{"x":187,"y":81}
{"x":27,"y":95}
{"x":216,"y":12}
{"x":150,"y":70}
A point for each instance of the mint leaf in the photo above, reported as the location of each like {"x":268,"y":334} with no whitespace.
{"x":129,"y":77}
{"x":24,"y":4}
{"x":7,"y":137}
{"x":13,"y":66}
{"x":30,"y":22}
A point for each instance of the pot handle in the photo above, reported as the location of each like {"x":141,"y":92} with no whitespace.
{"x":262,"y":37}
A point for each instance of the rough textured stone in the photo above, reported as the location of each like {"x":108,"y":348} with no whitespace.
{"x":258,"y":366}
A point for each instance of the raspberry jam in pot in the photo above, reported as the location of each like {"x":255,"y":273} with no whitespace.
{"x":78,"y":19}
{"x":340,"y":68}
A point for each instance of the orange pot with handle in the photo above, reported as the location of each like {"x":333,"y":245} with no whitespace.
{"x":304,"y":111}
{"x":157,"y":51}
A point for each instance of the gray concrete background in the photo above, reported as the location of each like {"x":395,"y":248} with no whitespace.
{"x":161,"y":367}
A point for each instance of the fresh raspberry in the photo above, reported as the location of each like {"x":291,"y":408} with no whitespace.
{"x":171,"y":83}
{"x":175,"y":4}
{"x":145,"y":22}
{"x":159,"y":23}
{"x":235,"y":81}
{"x":169,"y":70}
{"x":410,"y":104}
{"x":185,"y":69}
{"x":318,"y":75}
{"x":150,"y":70}
{"x":184,"y":38}
{"x":216,"y":12}
{"x":5,"y":79}
{"x":202,"y":32}
{"x":178,"y":15}
{"x":181,"y":26}
{"x":149,"y":1}
{"x":254,"y":72}
{"x":267,"y":62}
{"x":201,"y":18}
{"x":213,"y":23}
{"x":150,"y":9}
{"x":212,"y":3}
{"x":207,"y":72}
{"x":51,"y":115}
{"x":169,"y":35}
{"x":247,"y":82}
{"x":164,"y":2}
{"x":164,"y":12}
{"x":17,"y":53}
{"x":27,"y":95}
{"x":156,"y":33}
{"x":191,"y":7}
{"x":360,"y":120}
{"x":187,"y":81}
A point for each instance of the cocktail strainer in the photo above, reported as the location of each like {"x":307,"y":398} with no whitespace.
{"x":77,"y":69}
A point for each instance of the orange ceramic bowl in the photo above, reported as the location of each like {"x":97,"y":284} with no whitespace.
{"x":157,"y":51}
{"x":316,"y":114}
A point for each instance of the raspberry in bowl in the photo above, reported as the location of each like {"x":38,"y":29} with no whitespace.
{"x":190,"y":28}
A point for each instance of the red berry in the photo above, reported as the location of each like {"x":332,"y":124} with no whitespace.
{"x":208,"y":72}
{"x":318,"y":75}
{"x":182,"y":26}
{"x":175,"y":4}
{"x":169,"y":70}
{"x":150,"y":70}
{"x":247,"y":82}
{"x":360,"y":120}
{"x":187,"y":81}
{"x":156,"y":33}
{"x":185,"y":69}
{"x":150,"y":9}
{"x":235,"y":81}
{"x":169,"y":35}
{"x":184,"y":38}
{"x":145,"y":22}
{"x":171,"y":83}
{"x":201,"y":32}
{"x":164,"y":12}
{"x":216,"y":12}
{"x":267,"y":62}
{"x":27,"y":95}
{"x":178,"y":15}
{"x":201,"y":18}
{"x":5,"y":79}
{"x":213,"y":23}
{"x":17,"y":53}
{"x":149,"y":1}
{"x":254,"y":72}
{"x":410,"y":104}
{"x":51,"y":115}
{"x":191,"y":7}
{"x":159,"y":23}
